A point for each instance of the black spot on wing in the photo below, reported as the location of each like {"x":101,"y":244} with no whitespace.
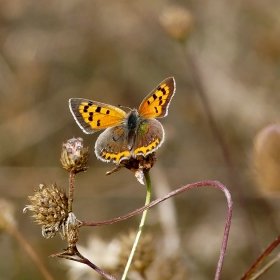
{"x":86,"y":109}
{"x":90,"y":118}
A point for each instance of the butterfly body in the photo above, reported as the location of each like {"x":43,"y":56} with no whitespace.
{"x":129,"y":134}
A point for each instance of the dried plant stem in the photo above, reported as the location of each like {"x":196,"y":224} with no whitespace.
{"x":29,"y":250}
{"x":231,"y":172}
{"x":259,"y":261}
{"x":215,"y":184}
{"x":266,"y":267}
{"x":141,"y":225}
{"x":71,"y":190}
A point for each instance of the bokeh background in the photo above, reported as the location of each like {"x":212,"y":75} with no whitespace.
{"x":116,"y":52}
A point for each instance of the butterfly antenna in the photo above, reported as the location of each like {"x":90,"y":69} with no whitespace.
{"x":121,"y":106}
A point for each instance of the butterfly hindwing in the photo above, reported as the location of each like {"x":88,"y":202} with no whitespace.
{"x":156,"y":103}
{"x":112,"y":144}
{"x":92,"y":116}
{"x":149,"y":137}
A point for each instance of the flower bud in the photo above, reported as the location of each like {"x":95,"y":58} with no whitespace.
{"x":74,"y":156}
{"x":177,"y":22}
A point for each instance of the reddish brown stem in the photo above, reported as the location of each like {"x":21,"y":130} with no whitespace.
{"x":176,"y":192}
{"x":72,"y":254}
{"x":231,"y":172}
{"x":71,"y":190}
{"x":258,"y":262}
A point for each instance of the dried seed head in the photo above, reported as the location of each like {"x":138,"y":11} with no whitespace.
{"x":74,"y":156}
{"x":172,"y":268}
{"x":50,"y":209}
{"x":7,"y":219}
{"x":177,"y":22}
{"x":144,"y":254}
{"x":138,"y":165}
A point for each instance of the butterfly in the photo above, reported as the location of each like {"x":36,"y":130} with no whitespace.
{"x":126,"y":135}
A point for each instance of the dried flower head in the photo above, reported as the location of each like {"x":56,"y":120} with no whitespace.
{"x":144,"y":254}
{"x":266,"y":158}
{"x":50,"y":209}
{"x":7,"y":219}
{"x":172,"y":268}
{"x":177,"y":22}
{"x":138,"y":165}
{"x":74,"y":156}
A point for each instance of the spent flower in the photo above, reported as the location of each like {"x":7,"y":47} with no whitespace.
{"x":170,"y":268}
{"x":139,"y":165}
{"x":50,"y":209}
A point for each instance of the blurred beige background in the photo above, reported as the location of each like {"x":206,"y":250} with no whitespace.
{"x":116,"y":52}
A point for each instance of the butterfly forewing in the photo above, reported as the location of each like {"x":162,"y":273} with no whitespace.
{"x":156,"y":103}
{"x":92,"y":116}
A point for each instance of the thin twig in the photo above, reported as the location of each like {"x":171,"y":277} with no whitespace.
{"x":73,"y":252}
{"x":231,"y":172}
{"x":31,"y":253}
{"x":258,"y":262}
{"x":266,"y":267}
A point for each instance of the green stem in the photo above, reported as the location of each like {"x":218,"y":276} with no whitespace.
{"x":141,"y":225}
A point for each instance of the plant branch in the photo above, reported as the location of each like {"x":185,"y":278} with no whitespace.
{"x":231,"y":172}
{"x":266,"y":267}
{"x":74,"y":255}
{"x":258,"y":262}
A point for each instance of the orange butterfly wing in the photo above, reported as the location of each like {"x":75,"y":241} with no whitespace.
{"x":93,"y":116}
{"x":156,"y":103}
